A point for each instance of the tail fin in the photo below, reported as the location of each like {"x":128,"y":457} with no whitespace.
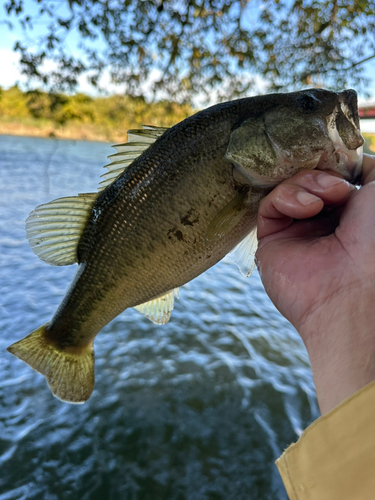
{"x":70,"y":376}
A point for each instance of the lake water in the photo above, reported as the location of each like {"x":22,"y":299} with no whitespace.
{"x":197,"y":409}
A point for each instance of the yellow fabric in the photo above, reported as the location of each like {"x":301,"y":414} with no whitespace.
{"x":334,"y":459}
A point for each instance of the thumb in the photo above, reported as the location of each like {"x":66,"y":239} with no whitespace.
{"x":356,"y":230}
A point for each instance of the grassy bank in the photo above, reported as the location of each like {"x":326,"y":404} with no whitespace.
{"x":79,"y":116}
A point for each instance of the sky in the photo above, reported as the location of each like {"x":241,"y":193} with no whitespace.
{"x":10,"y":73}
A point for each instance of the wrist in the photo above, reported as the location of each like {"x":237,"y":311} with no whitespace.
{"x":340,"y":340}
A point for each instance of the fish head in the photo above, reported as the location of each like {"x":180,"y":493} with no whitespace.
{"x":303,"y":130}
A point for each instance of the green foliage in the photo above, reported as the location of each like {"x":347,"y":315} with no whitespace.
{"x":115,"y":113}
{"x":369,"y":146}
{"x":13,"y":104}
{"x":197,"y":46}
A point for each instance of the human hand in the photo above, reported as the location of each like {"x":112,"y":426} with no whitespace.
{"x":316,"y":258}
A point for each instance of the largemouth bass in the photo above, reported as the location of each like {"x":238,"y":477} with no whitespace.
{"x":173,"y":203}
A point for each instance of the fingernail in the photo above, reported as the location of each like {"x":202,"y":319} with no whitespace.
{"x":306,"y":198}
{"x":327,"y":181}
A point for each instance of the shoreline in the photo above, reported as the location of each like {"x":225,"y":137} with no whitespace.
{"x":73,"y":133}
{"x":94,"y":133}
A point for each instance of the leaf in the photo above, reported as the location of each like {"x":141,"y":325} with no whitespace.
{"x":196,"y":48}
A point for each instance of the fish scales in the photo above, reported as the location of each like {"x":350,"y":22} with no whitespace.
{"x":175,"y":211}
{"x":121,"y":256}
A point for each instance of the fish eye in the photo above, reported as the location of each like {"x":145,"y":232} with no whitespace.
{"x":307,"y":102}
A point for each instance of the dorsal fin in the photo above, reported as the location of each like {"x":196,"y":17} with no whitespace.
{"x":159,"y":310}
{"x":138,"y":141}
{"x":55,"y":228}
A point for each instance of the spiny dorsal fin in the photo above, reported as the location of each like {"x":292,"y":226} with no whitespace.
{"x":244,"y":253}
{"x":55,"y":228}
{"x":138,"y":141}
{"x":159,"y":310}
{"x":148,"y":133}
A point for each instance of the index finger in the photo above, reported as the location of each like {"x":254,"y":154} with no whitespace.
{"x":368,"y":169}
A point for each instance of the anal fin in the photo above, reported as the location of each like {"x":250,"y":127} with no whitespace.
{"x":159,"y":310}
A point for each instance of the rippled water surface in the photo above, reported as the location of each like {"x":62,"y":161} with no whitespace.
{"x":197,"y":409}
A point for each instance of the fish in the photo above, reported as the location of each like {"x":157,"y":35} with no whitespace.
{"x":173,"y":203}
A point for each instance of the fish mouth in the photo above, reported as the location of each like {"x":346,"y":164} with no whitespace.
{"x":343,"y":130}
{"x":346,"y":162}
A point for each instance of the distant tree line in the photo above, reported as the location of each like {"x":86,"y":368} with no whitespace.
{"x":95,"y":118}
{"x":113,"y":112}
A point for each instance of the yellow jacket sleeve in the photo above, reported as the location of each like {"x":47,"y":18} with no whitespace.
{"x":334,"y":459}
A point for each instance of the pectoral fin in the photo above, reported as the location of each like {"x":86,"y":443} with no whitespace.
{"x":228,"y":217}
{"x":244,"y":253}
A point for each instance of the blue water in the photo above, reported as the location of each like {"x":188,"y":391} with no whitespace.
{"x":197,"y":409}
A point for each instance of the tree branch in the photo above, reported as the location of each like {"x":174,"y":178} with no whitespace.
{"x":319,"y":72}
